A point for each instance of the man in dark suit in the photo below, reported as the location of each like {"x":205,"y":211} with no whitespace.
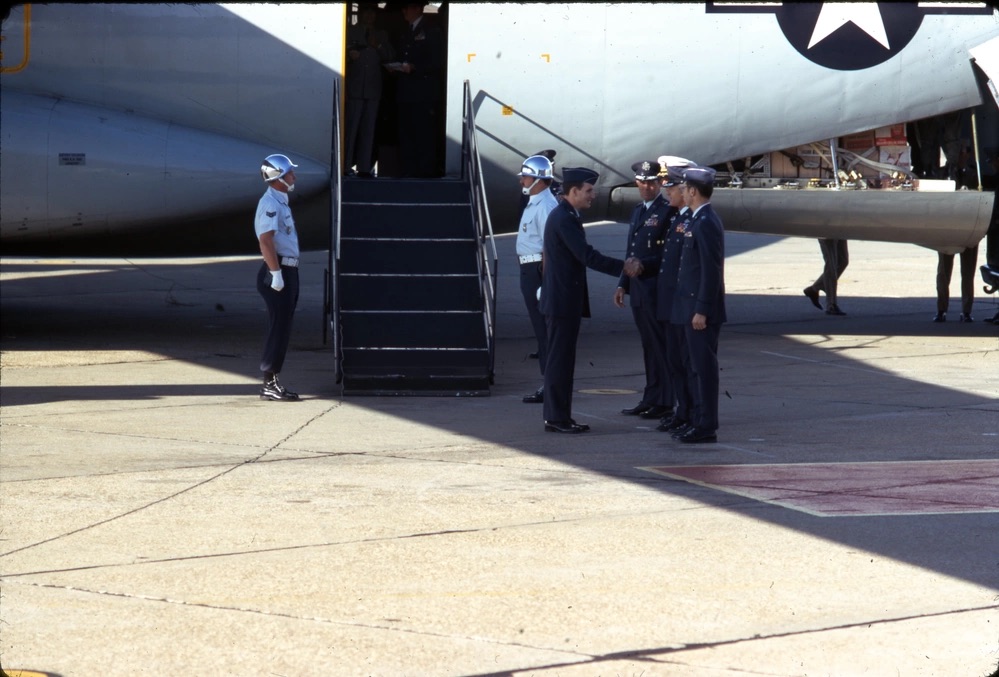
{"x":701,"y":296}
{"x":646,"y":231}
{"x":367,"y":49}
{"x":564,"y":295}
{"x":667,"y":311}
{"x":418,"y":91}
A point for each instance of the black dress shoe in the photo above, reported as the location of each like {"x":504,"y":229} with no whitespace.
{"x":940,"y":317}
{"x":965,"y":317}
{"x":579,"y":425}
{"x":564,"y":427}
{"x":637,"y":410}
{"x":658,"y":411}
{"x":833,"y":309}
{"x":672,"y":424}
{"x":677,"y":433}
{"x":532,"y":356}
{"x":273,"y":390}
{"x":537,"y":397}
{"x":813,"y":296}
{"x":698,"y":436}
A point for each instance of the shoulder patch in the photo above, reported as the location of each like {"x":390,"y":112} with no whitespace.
{"x":271,"y":215}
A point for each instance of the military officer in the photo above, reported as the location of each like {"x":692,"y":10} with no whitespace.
{"x":646,"y":230}
{"x":667,"y":312}
{"x":535,"y":182}
{"x":418,"y":91}
{"x":277,"y":279}
{"x":564,"y":295}
{"x":701,"y":297}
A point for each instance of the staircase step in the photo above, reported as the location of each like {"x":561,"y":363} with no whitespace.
{"x":404,"y":256}
{"x":442,"y":332}
{"x":387,"y":191}
{"x":415,"y":372}
{"x":410,"y":292}
{"x":409,"y":220}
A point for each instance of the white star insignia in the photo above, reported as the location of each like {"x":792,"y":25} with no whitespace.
{"x":865,"y":15}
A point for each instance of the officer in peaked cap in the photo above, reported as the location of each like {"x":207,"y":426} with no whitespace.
{"x":677,"y":362}
{"x":701,"y":297}
{"x":646,"y":231}
{"x":564,"y":295}
{"x":700,"y":176}
{"x":580,"y":175}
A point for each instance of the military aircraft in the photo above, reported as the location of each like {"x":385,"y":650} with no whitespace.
{"x":121,"y":118}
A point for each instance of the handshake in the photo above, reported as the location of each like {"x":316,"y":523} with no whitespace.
{"x":633,"y":267}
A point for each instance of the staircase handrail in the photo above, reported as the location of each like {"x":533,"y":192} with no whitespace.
{"x":488,"y":260}
{"x":332,"y":283}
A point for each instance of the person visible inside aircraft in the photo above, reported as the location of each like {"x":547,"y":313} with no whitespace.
{"x":419,"y":73}
{"x":368,"y":47}
{"x":835,"y":257}
{"x":564,"y":295}
{"x":700,"y":294}
{"x":535,"y":184}
{"x":667,"y":308}
{"x":277,"y":279}
{"x":646,"y":234}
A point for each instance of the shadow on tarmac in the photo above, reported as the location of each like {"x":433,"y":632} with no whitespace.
{"x":784,"y":400}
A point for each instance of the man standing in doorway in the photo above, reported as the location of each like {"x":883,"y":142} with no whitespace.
{"x":367,"y":49}
{"x":421,"y":53}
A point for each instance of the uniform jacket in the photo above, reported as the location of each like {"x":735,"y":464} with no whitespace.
{"x":567,"y":256}
{"x":701,"y":282}
{"x":669,"y":267}
{"x":274,"y":214}
{"x":645,"y":242}
{"x":424,"y":49}
{"x":363,"y":79}
{"x":533,"y":217}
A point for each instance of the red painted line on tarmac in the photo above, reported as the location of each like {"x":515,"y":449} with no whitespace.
{"x":856,"y":489}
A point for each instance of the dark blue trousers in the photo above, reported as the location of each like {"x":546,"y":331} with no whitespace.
{"x":530,"y":280}
{"x":678,"y":367}
{"x":280,"y":312}
{"x":561,"y":366}
{"x":658,"y":388}
{"x":702,"y":347}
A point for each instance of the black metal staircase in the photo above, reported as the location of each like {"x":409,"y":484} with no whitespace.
{"x":411,"y":309}
{"x":412,"y":285}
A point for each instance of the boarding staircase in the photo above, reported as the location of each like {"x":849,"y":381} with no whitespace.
{"x":412,"y":283}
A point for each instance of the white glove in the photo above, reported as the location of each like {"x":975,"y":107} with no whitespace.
{"x":277,"y":280}
{"x":538,"y":294}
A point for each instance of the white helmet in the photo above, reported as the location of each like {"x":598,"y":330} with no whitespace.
{"x":537,"y":166}
{"x":276,"y":166}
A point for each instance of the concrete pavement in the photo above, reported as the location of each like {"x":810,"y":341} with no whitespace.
{"x":157,"y":518}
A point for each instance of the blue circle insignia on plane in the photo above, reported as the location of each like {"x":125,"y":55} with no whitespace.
{"x":849,"y":36}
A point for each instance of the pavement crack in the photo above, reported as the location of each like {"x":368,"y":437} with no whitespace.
{"x":654,"y":653}
{"x":183,"y":491}
{"x":301,"y":617}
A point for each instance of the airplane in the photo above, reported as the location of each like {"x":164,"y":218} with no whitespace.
{"x":118,"y":119}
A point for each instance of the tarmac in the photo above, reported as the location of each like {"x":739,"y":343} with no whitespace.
{"x":159,"y":519}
